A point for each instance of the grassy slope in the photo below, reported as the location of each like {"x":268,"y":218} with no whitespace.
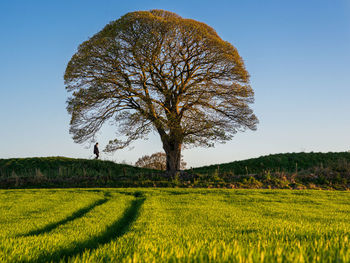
{"x":277,"y":162}
{"x":287,"y":162}
{"x":63,"y":166}
{"x":325,"y":170}
{"x":176,"y":225}
{"x":65,"y":172}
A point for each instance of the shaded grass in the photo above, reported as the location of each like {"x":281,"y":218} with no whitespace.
{"x":114,"y":231}
{"x":77,"y":214}
{"x":286,"y":171}
{"x":283,"y":162}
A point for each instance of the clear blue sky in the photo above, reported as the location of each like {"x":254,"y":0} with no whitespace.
{"x":297,"y":53}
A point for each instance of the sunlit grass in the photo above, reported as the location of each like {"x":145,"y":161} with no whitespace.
{"x":176,"y":225}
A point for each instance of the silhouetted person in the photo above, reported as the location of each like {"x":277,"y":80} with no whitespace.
{"x":96,"y":151}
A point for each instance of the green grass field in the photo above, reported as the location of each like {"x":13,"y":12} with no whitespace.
{"x":174,"y":225}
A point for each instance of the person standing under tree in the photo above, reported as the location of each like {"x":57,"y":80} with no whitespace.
{"x":96,"y":151}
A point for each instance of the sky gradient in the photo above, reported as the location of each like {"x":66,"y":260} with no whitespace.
{"x":297,"y":53}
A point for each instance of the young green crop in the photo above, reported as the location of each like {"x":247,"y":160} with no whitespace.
{"x":174,"y":225}
{"x":51,"y":224}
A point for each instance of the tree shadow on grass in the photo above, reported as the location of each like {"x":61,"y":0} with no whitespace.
{"x":77,"y":214}
{"x":117,"y":229}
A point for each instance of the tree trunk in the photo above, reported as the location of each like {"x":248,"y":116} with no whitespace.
{"x":173,"y":156}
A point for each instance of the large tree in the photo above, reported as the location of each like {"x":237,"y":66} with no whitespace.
{"x":154,"y":70}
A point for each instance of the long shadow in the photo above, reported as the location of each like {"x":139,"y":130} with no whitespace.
{"x":77,"y":214}
{"x":117,"y":229}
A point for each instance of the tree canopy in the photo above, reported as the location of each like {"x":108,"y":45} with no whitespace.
{"x":154,"y":70}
